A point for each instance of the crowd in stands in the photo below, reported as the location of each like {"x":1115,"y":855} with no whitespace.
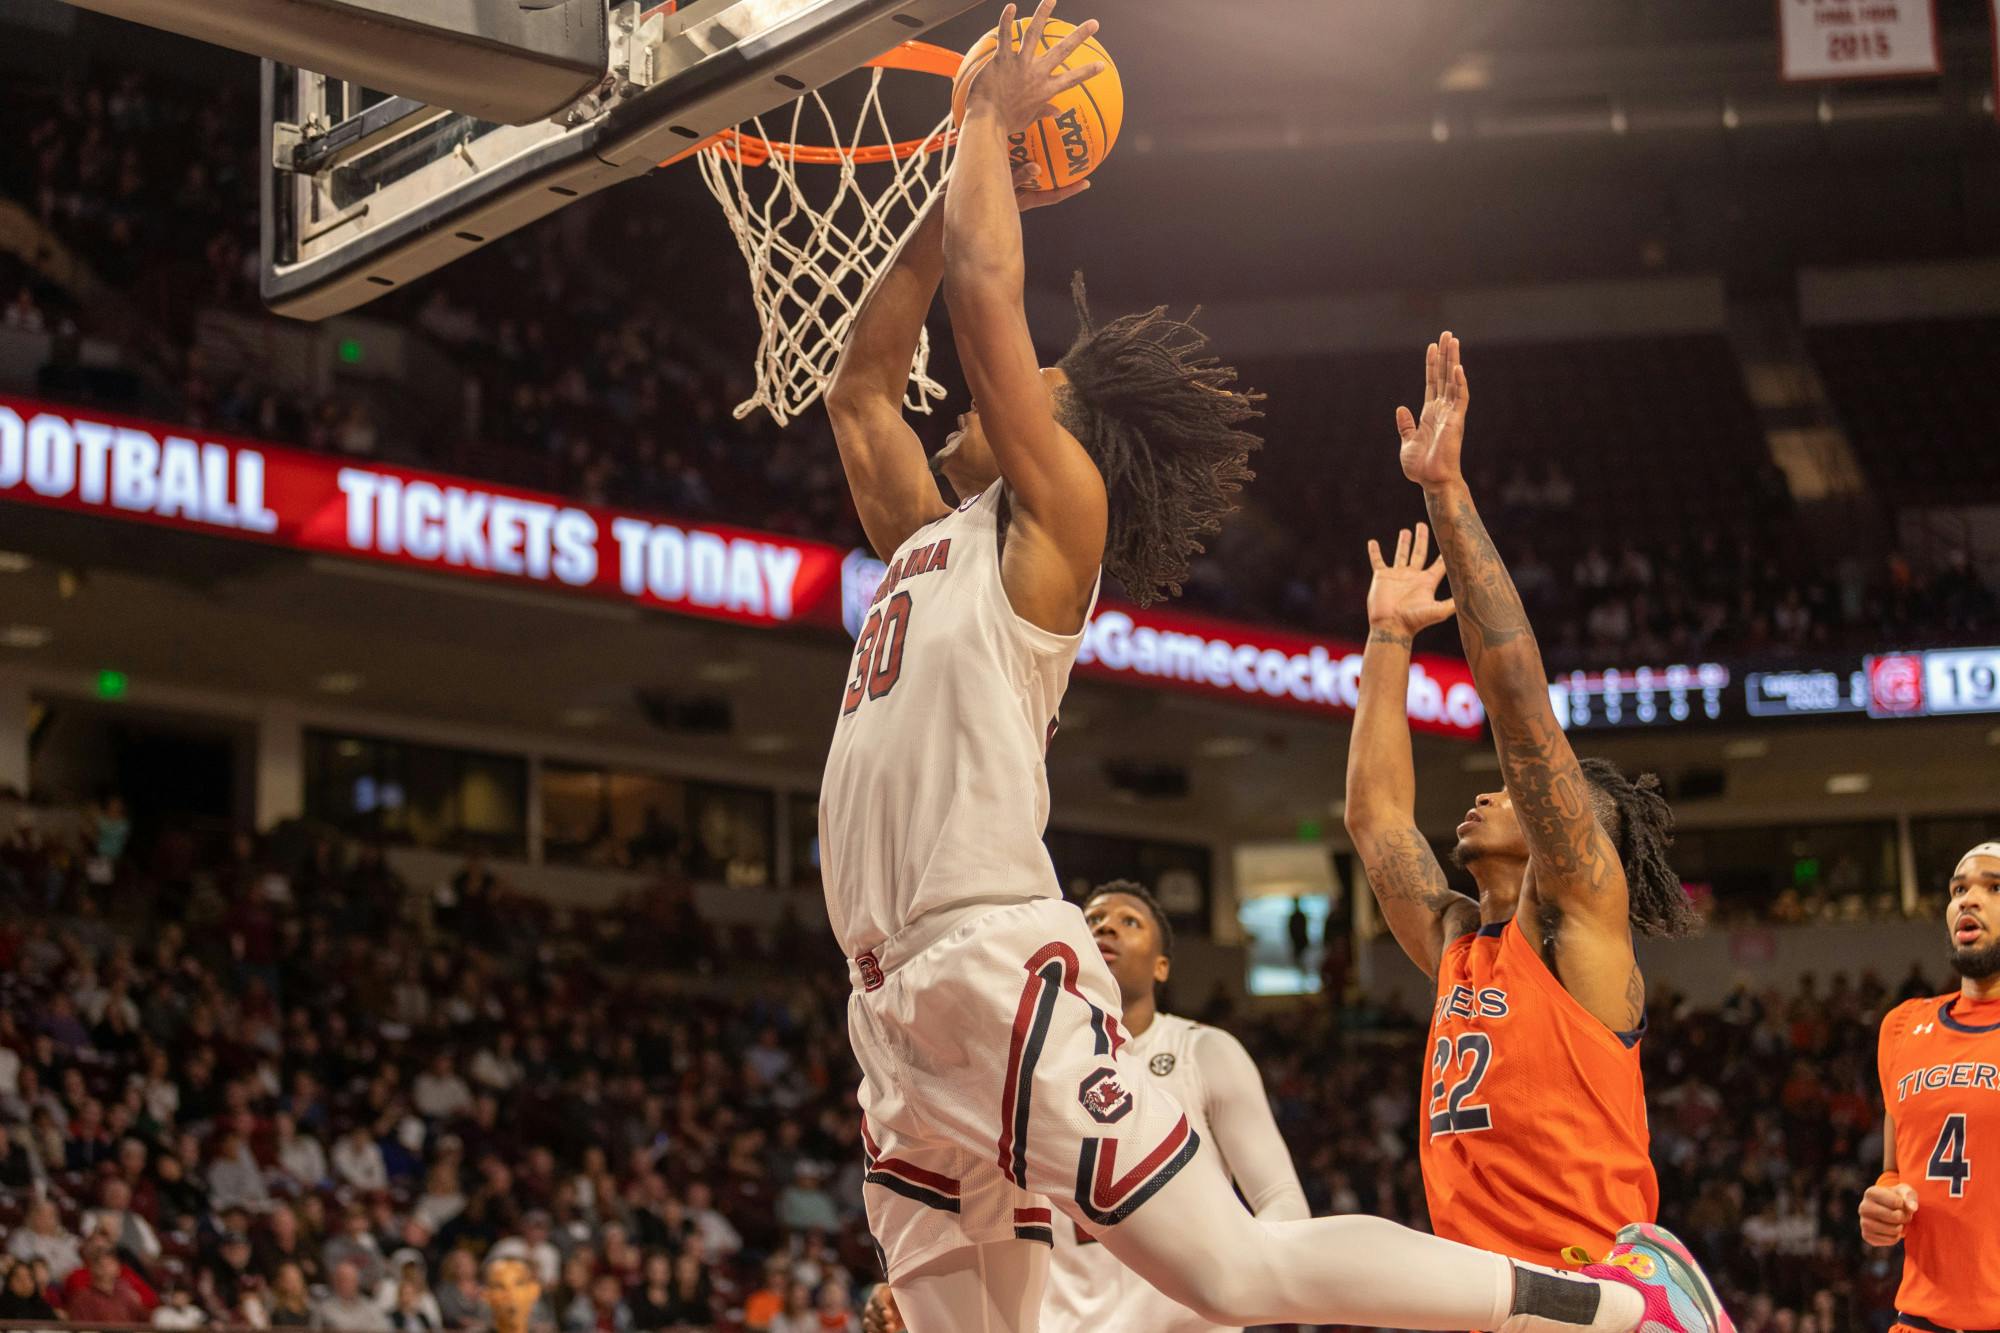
{"x":305,"y":1095}
{"x":1630,"y":488}
{"x":1637,"y":529}
{"x":270,"y":1082}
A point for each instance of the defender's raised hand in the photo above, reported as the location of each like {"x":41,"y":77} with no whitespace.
{"x":1431,"y":443}
{"x":1402,"y":599}
{"x":1020,"y":81}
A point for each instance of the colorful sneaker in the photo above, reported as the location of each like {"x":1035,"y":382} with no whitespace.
{"x":1653,"y":1262}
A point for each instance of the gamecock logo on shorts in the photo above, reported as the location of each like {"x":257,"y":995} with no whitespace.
{"x":1104,"y":1097}
{"x":1161,"y":1064}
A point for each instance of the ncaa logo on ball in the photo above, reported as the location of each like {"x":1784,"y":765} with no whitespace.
{"x":1104,"y":1097}
{"x":1075,"y":146}
{"x":1161,"y":1064}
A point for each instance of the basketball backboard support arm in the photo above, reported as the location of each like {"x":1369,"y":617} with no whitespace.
{"x":500,"y":61}
{"x":354,"y":210}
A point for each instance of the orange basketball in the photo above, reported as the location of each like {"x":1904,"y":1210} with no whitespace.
{"x":1070,"y":144}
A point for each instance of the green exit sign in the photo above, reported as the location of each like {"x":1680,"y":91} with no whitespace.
{"x":111,"y":684}
{"x":349,"y":351}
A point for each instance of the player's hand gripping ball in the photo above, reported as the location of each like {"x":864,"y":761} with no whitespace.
{"x":1060,"y":118}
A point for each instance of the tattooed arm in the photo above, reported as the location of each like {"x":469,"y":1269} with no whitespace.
{"x":1576,"y":881}
{"x":1423,"y":912}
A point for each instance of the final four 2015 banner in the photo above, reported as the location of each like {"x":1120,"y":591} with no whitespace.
{"x":135,"y":471}
{"x":1858,"y":39}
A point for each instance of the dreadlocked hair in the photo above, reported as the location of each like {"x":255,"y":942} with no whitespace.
{"x":1641,"y":826}
{"x":1161,"y":423}
{"x":1131,"y":888}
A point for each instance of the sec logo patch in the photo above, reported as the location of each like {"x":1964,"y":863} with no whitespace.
{"x":1161,"y":1064}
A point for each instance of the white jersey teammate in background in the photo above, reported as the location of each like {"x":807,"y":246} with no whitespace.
{"x":1215,"y":1081}
{"x":1211,"y":1076}
{"x":985,"y":1022}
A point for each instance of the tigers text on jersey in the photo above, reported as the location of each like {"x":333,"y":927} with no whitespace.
{"x":1532,"y":1120}
{"x":935,"y":790}
{"x":1939,"y":1061}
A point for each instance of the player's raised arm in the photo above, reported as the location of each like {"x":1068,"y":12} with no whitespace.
{"x":1574,"y":865}
{"x":894,"y":491}
{"x":1057,"y":494}
{"x":1423,"y":912}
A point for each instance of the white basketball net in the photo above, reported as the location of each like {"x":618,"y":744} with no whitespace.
{"x":811,"y":264}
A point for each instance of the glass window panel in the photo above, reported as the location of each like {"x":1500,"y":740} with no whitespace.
{"x":491,"y":798}
{"x":1938,"y":845}
{"x":574,"y":813}
{"x":805,"y":842}
{"x":1810,"y":872}
{"x":730,"y":834}
{"x":1181,"y":875}
{"x":418,"y":794}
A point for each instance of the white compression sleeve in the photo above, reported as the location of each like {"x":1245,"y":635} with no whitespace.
{"x":1243,"y":1129}
{"x":1193,"y":1244}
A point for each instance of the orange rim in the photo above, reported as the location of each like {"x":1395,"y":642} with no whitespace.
{"x":754,"y":150}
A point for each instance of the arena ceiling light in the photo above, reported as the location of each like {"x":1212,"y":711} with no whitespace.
{"x":1848,"y":784}
{"x":14,"y":562}
{"x":26,"y":636}
{"x":1226,"y":747}
{"x":1746,"y":747}
{"x":338,"y":682}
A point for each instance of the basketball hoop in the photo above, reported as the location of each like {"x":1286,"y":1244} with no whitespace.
{"x":811,"y":264}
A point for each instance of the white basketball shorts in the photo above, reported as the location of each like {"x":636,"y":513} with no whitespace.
{"x":992,"y":1088}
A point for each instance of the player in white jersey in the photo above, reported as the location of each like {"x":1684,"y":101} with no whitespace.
{"x":984,"y":1020}
{"x":1213,"y":1078}
{"x":1215,"y":1081}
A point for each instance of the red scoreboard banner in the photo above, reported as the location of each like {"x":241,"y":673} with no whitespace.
{"x":1259,"y":664}
{"x":89,"y":462}
{"x":135,"y":471}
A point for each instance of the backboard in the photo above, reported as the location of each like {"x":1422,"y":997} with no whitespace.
{"x":516,"y":62}
{"x":365,"y":191}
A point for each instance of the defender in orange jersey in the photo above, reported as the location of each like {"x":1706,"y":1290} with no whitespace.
{"x":1532,"y":1121}
{"x":1939,"y":1193}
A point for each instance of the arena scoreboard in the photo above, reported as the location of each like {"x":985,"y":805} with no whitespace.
{"x":1646,"y":696}
{"x":1936,"y":682}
